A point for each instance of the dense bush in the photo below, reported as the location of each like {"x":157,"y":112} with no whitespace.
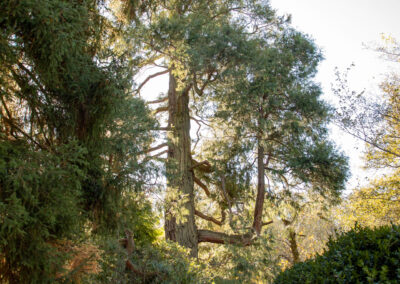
{"x":158,"y":262}
{"x":362,"y":255}
{"x":39,"y":207}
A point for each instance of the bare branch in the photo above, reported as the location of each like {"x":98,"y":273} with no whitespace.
{"x":197,"y":133}
{"x":208,"y":218}
{"x":151,"y":77}
{"x":202,"y":185}
{"x":222,"y":238}
{"x":156,"y":148}
{"x":158,"y":101}
{"x":158,"y":154}
{"x":267,"y":223}
{"x":203,"y":166}
{"x":161,"y":109}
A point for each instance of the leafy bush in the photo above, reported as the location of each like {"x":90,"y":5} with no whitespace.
{"x":159,"y":262}
{"x":362,"y":255}
{"x":39,"y":207}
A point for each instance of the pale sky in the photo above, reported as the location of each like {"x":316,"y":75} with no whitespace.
{"x":342,"y":28}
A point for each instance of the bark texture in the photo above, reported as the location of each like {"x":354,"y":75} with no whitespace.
{"x":258,"y":210}
{"x":179,"y":168}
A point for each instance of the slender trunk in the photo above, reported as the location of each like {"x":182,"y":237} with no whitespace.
{"x":179,"y":172}
{"x":258,"y":210}
{"x":293,"y":246}
{"x":259,"y":205}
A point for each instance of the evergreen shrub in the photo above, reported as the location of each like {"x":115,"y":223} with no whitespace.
{"x":362,"y":255}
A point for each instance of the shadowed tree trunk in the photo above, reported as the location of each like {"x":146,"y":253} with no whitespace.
{"x":258,"y":210}
{"x":293,"y":247}
{"x":179,"y":168}
{"x":180,"y":181}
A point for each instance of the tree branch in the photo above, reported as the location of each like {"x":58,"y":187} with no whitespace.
{"x":43,"y":147}
{"x":151,"y":77}
{"x":158,"y":101}
{"x":267,"y":223}
{"x":129,"y":244}
{"x":202,"y":185}
{"x":222,"y":238}
{"x":161,"y":109}
{"x":156,"y":148}
{"x":208,"y":218}
{"x":203,"y":166}
{"x":158,"y":154}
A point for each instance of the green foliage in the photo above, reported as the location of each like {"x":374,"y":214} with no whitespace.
{"x":362,"y":255}
{"x":159,"y":262}
{"x":241,"y":264}
{"x":271,"y":101}
{"x":71,"y":136}
{"x":40,"y":201}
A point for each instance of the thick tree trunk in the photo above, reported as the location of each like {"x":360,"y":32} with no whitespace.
{"x":170,"y":220}
{"x":179,"y":169}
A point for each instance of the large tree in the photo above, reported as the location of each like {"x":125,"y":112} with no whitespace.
{"x":70,"y":133}
{"x":374,"y":119}
{"x":196,"y":42}
{"x":223,"y":55}
{"x":272,"y":117}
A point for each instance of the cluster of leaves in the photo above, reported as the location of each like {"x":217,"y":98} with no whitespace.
{"x":362,"y":255}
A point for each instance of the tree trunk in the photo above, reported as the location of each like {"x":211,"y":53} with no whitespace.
{"x":293,"y":247}
{"x":170,"y":220}
{"x":179,"y":169}
{"x":258,"y":210}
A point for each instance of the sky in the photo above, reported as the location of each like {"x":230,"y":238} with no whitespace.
{"x":343,"y":29}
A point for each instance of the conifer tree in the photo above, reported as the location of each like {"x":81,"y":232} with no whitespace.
{"x":70,"y":133}
{"x":206,"y":45}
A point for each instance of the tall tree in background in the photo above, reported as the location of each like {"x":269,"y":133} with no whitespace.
{"x":375,"y":120}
